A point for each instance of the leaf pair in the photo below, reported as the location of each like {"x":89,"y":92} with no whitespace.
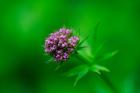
{"x":79,"y":72}
{"x":98,"y":69}
{"x":82,"y":70}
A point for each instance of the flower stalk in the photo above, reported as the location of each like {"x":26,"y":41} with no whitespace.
{"x":62,"y":45}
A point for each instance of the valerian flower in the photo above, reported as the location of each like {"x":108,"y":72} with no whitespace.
{"x":61,"y":44}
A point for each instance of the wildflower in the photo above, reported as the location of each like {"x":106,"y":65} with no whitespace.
{"x":61,"y":44}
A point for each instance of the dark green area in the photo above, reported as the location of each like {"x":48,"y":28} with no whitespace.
{"x":24,"y":25}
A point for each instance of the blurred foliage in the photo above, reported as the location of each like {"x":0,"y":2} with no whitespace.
{"x":25,"y":24}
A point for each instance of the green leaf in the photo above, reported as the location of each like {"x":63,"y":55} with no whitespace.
{"x":95,"y":33}
{"x":108,"y":55}
{"x":80,"y":75}
{"x":57,"y":67}
{"x":76,"y":70}
{"x":98,"y":49}
{"x":81,"y":42}
{"x":79,"y":72}
{"x":98,"y":69}
{"x":80,"y":47}
{"x":49,"y":60}
{"x":94,"y":37}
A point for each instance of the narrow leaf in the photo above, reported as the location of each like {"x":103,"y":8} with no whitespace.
{"x":79,"y":72}
{"x":57,"y":67}
{"x":80,"y":75}
{"x":49,"y":60}
{"x":98,"y":50}
{"x":95,"y":33}
{"x":98,"y":69}
{"x":76,"y":70}
{"x":81,"y":42}
{"x":108,"y":55}
{"x":80,"y":47}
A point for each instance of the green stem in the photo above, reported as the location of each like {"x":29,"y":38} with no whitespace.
{"x":103,"y":76}
{"x":83,"y":60}
{"x":109,"y":82}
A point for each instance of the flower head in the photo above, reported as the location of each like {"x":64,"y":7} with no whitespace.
{"x":61,"y":44}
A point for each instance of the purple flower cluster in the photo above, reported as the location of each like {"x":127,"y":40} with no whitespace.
{"x":61,"y":44}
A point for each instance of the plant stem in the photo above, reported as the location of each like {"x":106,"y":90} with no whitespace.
{"x":103,"y":76}
{"x":83,"y":60}
{"x":107,"y":80}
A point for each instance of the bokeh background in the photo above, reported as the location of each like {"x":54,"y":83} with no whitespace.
{"x":24,"y":25}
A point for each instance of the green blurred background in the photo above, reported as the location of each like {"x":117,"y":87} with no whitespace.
{"x":24,"y":25}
